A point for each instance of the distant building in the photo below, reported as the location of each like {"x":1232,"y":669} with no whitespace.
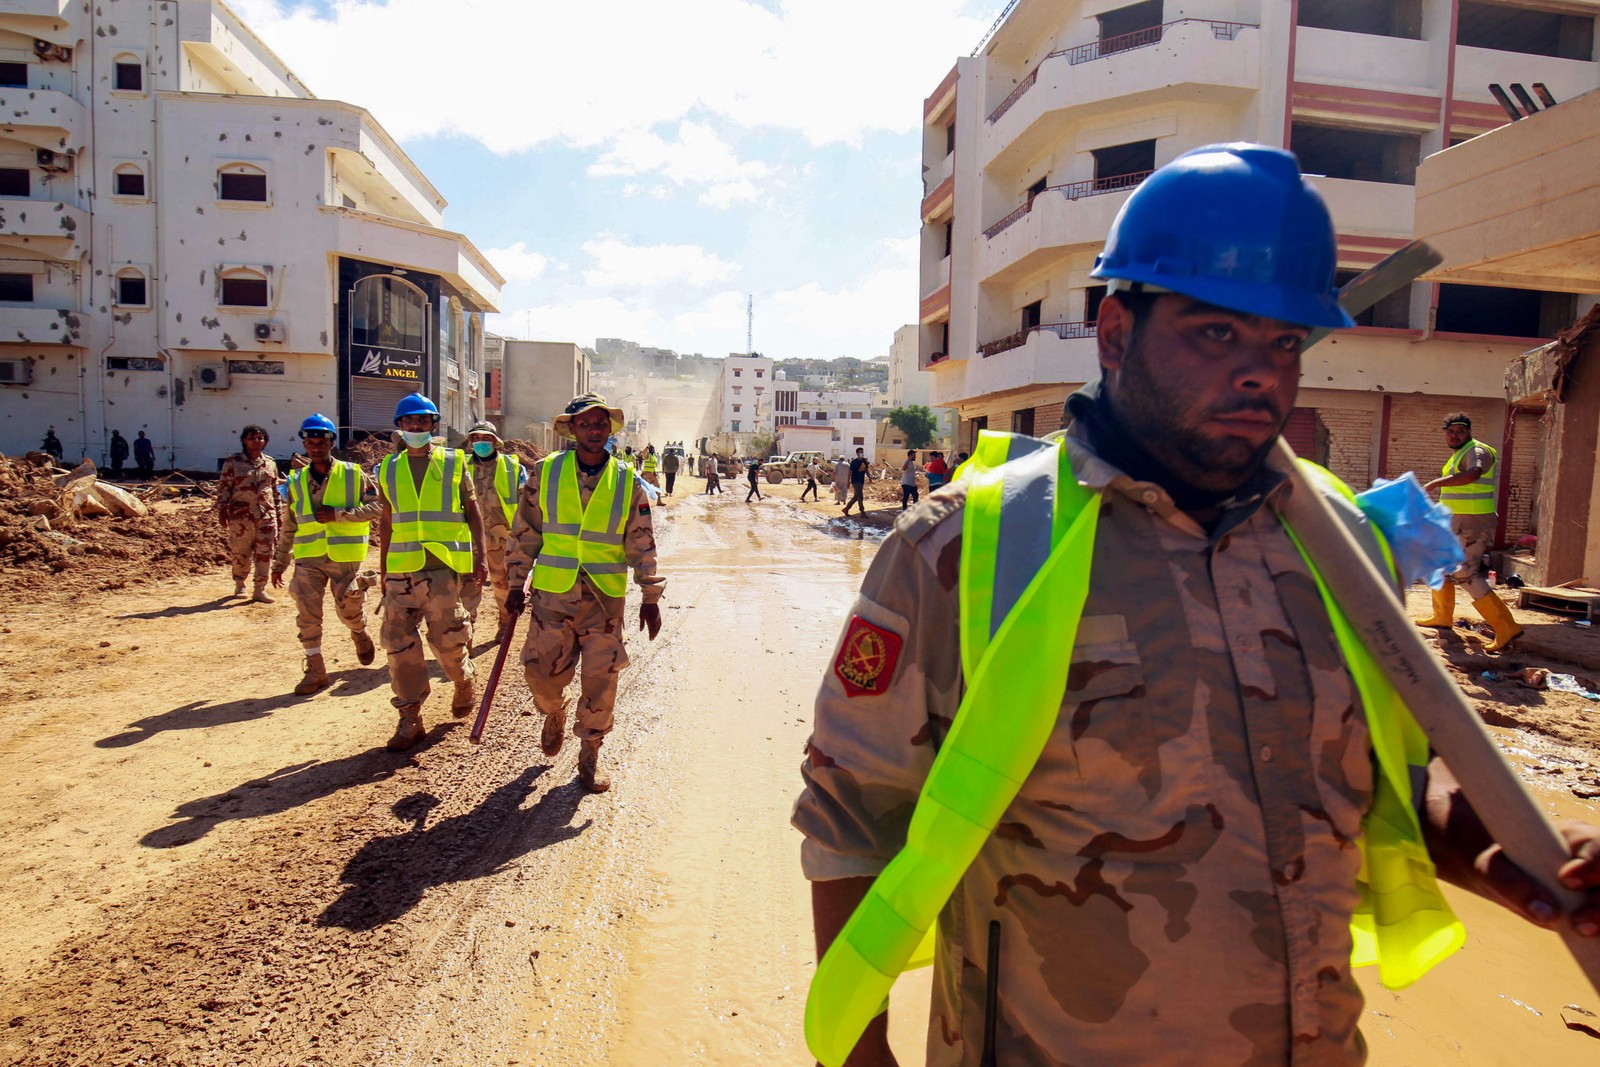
{"x":538,"y":379}
{"x":743,"y":396}
{"x":908,"y":385}
{"x":189,"y":242}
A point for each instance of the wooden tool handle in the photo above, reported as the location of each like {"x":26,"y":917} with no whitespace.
{"x":1452,"y":724}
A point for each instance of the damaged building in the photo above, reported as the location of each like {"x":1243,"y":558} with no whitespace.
{"x":191,"y":241}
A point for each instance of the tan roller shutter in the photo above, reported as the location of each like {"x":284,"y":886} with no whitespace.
{"x":372,"y":402}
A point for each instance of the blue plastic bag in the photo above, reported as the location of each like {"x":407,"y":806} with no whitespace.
{"x":1418,"y":529}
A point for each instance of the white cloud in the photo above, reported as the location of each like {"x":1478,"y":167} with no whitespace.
{"x":698,"y":155}
{"x":514,"y":74}
{"x":517,"y":263}
{"x":728,"y":193}
{"x":861,"y":318}
{"x":620,"y":265}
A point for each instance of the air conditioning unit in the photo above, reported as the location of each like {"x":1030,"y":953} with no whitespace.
{"x":270,"y":331}
{"x":47,"y":50}
{"x":60,"y":162}
{"x":16,"y":371}
{"x":212,"y":375}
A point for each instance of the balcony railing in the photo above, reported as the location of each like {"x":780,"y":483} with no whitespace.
{"x":1065,"y":330}
{"x":1106,"y":46}
{"x":1115,"y":183}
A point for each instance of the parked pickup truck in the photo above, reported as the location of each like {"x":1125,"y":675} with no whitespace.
{"x":791,"y":466}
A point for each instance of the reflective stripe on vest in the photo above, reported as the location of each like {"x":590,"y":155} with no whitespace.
{"x":428,"y":521}
{"x":578,"y":536}
{"x":342,"y":542}
{"x":1021,"y":592}
{"x":649,"y":462}
{"x":506,"y":483}
{"x":1474,"y":498}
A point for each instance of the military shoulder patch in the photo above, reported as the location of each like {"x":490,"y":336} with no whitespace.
{"x":866,"y":659}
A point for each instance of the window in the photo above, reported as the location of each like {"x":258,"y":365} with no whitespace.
{"x":1091,"y":302}
{"x":736,"y":372}
{"x":853,"y":414}
{"x":243,"y":183}
{"x":1357,"y":155}
{"x":14,"y":75}
{"x":738,"y":407}
{"x":15,"y":181}
{"x":243,"y":287}
{"x":759,"y":373}
{"x":1038,"y":187}
{"x":127,"y":180}
{"x":131,"y":289}
{"x":255,"y":366}
{"x":738,"y":389}
{"x":1117,"y":165}
{"x":858,"y":440}
{"x":1538,"y":33}
{"x":1383,"y":18}
{"x":1032,"y":314}
{"x":1503,"y":312}
{"x":949,"y":138}
{"x":735,"y":425}
{"x":1022,"y":422}
{"x":130,"y":74}
{"x":949,"y":237}
{"x":134,"y":363}
{"x":16,"y":288}
{"x":1126,"y":20}
{"x":388,"y":312}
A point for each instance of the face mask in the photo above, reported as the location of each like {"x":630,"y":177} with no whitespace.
{"x":483,"y":449}
{"x":416,"y":438}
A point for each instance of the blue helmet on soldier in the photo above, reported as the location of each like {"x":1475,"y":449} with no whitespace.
{"x":1235,"y":225}
{"x":318,"y":424}
{"x":415,"y":404}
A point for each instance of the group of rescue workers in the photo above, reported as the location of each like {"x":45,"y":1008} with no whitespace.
{"x":1218,"y":821}
{"x":449,"y":522}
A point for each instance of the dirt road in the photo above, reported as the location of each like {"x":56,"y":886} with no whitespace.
{"x":201,"y":868}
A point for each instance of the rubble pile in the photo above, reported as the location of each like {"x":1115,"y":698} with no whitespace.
{"x":68,"y":530}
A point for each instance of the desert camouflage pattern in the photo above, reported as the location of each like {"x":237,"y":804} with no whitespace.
{"x":495,"y":534}
{"x":432,"y":595}
{"x":369,"y":510}
{"x":561,"y":633}
{"x":582,"y":622}
{"x":1476,"y":534}
{"x":309,"y":587}
{"x":1174,"y":881}
{"x":247,"y":501}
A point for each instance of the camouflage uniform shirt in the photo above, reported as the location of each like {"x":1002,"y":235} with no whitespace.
{"x":248,"y":490}
{"x":638,"y":538}
{"x":1175,"y":879}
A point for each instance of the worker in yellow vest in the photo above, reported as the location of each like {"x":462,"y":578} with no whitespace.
{"x":430,"y":538}
{"x":331,"y":507}
{"x":1469,"y":486}
{"x":650,"y":465}
{"x":1177,"y":874}
{"x":583,"y":522}
{"x":497,"y":479}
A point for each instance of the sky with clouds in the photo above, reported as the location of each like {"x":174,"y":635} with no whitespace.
{"x":635,"y":168}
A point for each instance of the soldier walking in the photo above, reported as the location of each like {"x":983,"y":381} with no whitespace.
{"x":430,"y":537}
{"x":497,"y":479}
{"x":247,"y":508}
{"x":331,"y":508}
{"x":582,"y":522}
{"x":669,"y":467}
{"x":119,"y":452}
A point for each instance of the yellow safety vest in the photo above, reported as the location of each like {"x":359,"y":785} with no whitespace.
{"x":342,"y":542}
{"x":1027,"y":594}
{"x":429,"y":521}
{"x":507,"y":480}
{"x":649,"y":462}
{"x":1474,"y":498}
{"x":576,"y":536}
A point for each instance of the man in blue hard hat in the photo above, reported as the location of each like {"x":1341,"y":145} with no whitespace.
{"x":1181,"y":875}
{"x":430,"y":536}
{"x":331,"y":507}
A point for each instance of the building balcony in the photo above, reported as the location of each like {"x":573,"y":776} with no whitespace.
{"x":1377,"y":208}
{"x":937,"y":172}
{"x":1051,"y":226}
{"x":449,"y":255}
{"x":1052,"y":354}
{"x":939,"y":279}
{"x":1190,"y":60}
{"x":48,"y":227}
{"x":1479,"y":68}
{"x":43,"y":118}
{"x":41,"y":325}
{"x":1342,"y":58}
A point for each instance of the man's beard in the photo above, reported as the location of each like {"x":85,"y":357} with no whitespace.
{"x":1146,"y":405}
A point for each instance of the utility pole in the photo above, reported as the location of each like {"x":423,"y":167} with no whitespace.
{"x":749,"y":324}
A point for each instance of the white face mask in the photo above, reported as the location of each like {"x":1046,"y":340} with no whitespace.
{"x":416,"y":438}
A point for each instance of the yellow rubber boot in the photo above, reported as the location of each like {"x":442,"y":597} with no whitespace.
{"x":1496,"y":614}
{"x":1444,"y":607}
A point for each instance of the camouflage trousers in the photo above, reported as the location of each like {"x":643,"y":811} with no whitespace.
{"x":559,"y":634}
{"x":1476,"y":533}
{"x":251,"y":539}
{"x":313,"y":577}
{"x":434,"y":596}
{"x":494,"y":557}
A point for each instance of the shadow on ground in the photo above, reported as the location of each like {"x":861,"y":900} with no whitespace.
{"x":197,"y":715}
{"x":389,"y":875}
{"x":285,"y":789}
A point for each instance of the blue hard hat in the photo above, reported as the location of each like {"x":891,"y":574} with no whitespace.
{"x":1235,"y":225}
{"x":318,"y":421}
{"x":414,"y":404}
